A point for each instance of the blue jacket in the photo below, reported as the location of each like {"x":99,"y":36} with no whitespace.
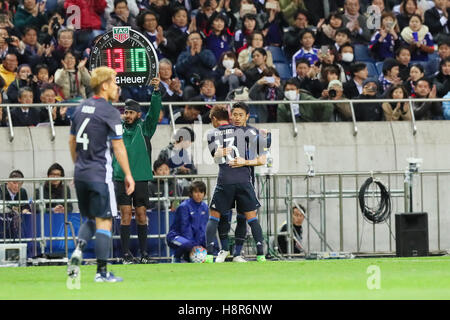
{"x":201,"y":63}
{"x":190,"y":222}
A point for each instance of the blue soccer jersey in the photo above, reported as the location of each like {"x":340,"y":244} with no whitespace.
{"x":95,"y":123}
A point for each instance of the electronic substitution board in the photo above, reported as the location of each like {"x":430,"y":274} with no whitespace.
{"x":129,"y":53}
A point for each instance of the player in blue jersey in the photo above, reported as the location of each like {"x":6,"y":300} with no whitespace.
{"x":230,"y":145}
{"x":96,"y":127}
{"x":239,"y":117}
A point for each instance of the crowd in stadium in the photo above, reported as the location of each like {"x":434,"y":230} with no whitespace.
{"x":211,"y":50}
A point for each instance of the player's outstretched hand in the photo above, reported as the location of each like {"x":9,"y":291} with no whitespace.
{"x":155,"y":83}
{"x":237,"y":162}
{"x":129,"y":184}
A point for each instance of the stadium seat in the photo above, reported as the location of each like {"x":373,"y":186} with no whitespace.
{"x":373,"y":72}
{"x":379,"y":66}
{"x":362,"y":53}
{"x":277,"y":54}
{"x":284,"y":70}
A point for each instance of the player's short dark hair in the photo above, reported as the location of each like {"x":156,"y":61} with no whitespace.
{"x":219,"y":112}
{"x":302,"y":60}
{"x":197,"y":185}
{"x":55,"y":166}
{"x":357,"y":67}
{"x":158,"y":163}
{"x":182,"y":134}
{"x":16,"y":174}
{"x":241,"y":105}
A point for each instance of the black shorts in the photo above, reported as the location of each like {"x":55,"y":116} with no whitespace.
{"x":227,"y":195}
{"x":139,"y":198}
{"x":96,"y":199}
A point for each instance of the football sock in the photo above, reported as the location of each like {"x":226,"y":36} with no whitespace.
{"x":142,"y":237}
{"x":240,"y":233}
{"x":211,"y":229}
{"x":86,"y":232}
{"x":257,"y":235}
{"x":102,"y":248}
{"x":224,"y":227}
{"x":125,"y":238}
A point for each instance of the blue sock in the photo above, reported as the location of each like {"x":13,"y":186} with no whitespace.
{"x":86,"y":233}
{"x":239,"y":234}
{"x":102,"y":248}
{"x":257,"y":235}
{"x":211,"y":229}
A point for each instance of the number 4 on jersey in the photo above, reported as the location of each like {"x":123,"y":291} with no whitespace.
{"x":83,"y":137}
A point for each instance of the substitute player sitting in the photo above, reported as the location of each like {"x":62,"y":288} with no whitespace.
{"x":229,"y":145}
{"x":189,"y":225}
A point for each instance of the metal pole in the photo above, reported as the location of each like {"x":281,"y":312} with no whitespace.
{"x":413,"y":117}
{"x":52,"y":124}
{"x":171,"y":118}
{"x":275,"y":212}
{"x":43,"y":240}
{"x":341,"y":216}
{"x":66,"y":213}
{"x":294,"y":122}
{"x":438,"y":212}
{"x":355,"y":128}
{"x":10,"y":124}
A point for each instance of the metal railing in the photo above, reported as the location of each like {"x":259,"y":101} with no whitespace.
{"x":333,"y":221}
{"x":229,"y":103}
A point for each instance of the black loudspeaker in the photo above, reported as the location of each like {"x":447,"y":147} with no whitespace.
{"x":411,"y":234}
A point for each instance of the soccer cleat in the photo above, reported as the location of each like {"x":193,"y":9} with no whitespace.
{"x":73,"y":268}
{"x":107,"y":277}
{"x":239,"y":259}
{"x":222,"y":256}
{"x":261,"y":258}
{"x":209,"y":258}
{"x":128,"y":259}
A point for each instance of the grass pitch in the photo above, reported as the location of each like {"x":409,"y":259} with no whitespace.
{"x":400,"y":278}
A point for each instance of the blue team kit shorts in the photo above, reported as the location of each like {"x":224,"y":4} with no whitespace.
{"x":227,"y":195}
{"x":96,"y":199}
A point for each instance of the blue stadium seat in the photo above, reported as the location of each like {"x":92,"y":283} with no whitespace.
{"x":362,"y":53}
{"x":277,"y":54}
{"x":379,"y":66}
{"x":373,"y":72}
{"x":284,"y":70}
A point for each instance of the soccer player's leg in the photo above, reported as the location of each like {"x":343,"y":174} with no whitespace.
{"x":239,"y":237}
{"x":224,"y":228}
{"x":248,"y":203}
{"x":126,"y":212}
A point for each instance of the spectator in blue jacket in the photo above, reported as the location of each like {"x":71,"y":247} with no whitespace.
{"x":189,"y":226}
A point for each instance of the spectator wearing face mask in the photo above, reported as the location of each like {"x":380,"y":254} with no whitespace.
{"x":346,"y":57}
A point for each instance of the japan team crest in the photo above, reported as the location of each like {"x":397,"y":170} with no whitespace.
{"x":121,"y":34}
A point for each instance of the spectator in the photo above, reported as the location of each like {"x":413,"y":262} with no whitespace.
{"x":15,"y":192}
{"x":354,"y":87}
{"x":345,"y":58}
{"x":73,"y":78}
{"x":8,"y":69}
{"x":442,"y":79}
{"x":403,"y":57}
{"x":31,"y":50}
{"x":407,"y":9}
{"x":162,"y":10}
{"x":65,"y":44}
{"x":25,"y":116}
{"x":290,"y":9}
{"x":443,"y":52}
{"x":7,"y":43}
{"x":368,"y":111}
{"x":416,"y":72}
{"x":306,"y":78}
{"x":207,"y":94}
{"x":54,"y":190}
{"x":317,"y":9}
{"x":356,"y":22}
{"x":327,"y":28}
{"x":189,"y":226}
{"x":219,"y":37}
{"x":418,"y":38}
{"x":328,"y":59}
{"x":172,"y":86}
{"x":245,"y":57}
{"x":328,"y":74}
{"x":43,"y":79}
{"x":23,"y":79}
{"x":394,"y":111}
{"x":249,"y":25}
{"x":176,"y":154}
{"x":121,"y":15}
{"x":335,"y":91}
{"x":188,"y":115}
{"x":195,"y":64}
{"x":298,"y":215}
{"x":426,"y":110}
{"x":59,"y":114}
{"x":30,"y":14}
{"x":147,"y":22}
{"x":274,"y":23}
{"x":444,"y":49}
{"x":343,"y":36}
{"x":266,"y":88}
{"x":205,"y":12}
{"x":132,"y":6}
{"x":49,"y":33}
{"x":156,"y":187}
{"x":177,"y":34}
{"x":291,"y":38}
{"x":389,"y":76}
{"x":307,"y":51}
{"x":303,"y":112}
{"x":386,"y":40}
{"x":437,"y":20}
{"x":229,"y":75}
